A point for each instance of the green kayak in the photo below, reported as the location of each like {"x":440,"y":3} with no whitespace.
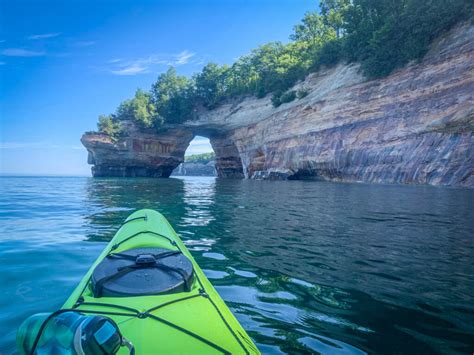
{"x":180,"y":314}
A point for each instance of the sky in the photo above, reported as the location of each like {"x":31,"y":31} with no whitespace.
{"x":64,"y":62}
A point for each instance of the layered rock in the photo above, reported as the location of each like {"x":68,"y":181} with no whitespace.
{"x":414,"y":126}
{"x":137,"y":155}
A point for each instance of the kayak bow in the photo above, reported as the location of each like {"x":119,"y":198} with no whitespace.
{"x":193,"y":319}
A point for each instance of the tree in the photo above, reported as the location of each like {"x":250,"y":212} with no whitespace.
{"x":171,"y":96}
{"x":211,"y":84}
{"x":109,"y":125}
{"x":139,"y":109}
{"x":313,"y":30}
{"x":144,"y":110}
{"x":312,"y":37}
{"x":202,"y":158}
{"x":381,"y":35}
{"x":333,"y":12}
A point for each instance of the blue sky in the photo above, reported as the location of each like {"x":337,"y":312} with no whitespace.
{"x":62,"y":63}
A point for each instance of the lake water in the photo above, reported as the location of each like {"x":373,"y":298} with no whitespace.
{"x":306,"y":267}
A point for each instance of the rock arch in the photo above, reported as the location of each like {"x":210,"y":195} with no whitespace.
{"x":228,"y":160}
{"x":151,"y":154}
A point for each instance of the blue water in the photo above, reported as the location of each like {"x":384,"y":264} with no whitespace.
{"x":306,"y":267}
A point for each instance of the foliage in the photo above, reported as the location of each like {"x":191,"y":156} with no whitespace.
{"x":302,"y":93}
{"x":171,"y":96}
{"x":140,"y":109}
{"x":203,"y":158}
{"x":210,"y":85}
{"x":276,"y":99}
{"x":333,"y":12}
{"x":109,"y":125}
{"x":288,"y":96}
{"x":282,"y":98}
{"x":385,"y":35}
{"x":381,"y":35}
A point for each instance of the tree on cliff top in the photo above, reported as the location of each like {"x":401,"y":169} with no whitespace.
{"x":109,"y":125}
{"x":140,"y":109}
{"x":210,"y":85}
{"x":381,"y":35}
{"x":384,"y":35}
{"x":172,"y":97}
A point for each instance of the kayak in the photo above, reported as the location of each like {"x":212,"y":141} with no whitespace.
{"x":193,"y":321}
{"x":147,"y":282}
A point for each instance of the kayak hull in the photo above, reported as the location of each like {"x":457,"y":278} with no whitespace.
{"x":191,"y":322}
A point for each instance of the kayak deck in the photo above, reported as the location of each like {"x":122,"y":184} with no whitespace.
{"x":197,"y":321}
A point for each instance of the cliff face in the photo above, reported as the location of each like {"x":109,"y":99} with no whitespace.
{"x":139,"y":154}
{"x":414,"y":126}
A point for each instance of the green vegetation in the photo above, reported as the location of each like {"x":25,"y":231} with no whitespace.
{"x":203,"y":158}
{"x":140,"y":109}
{"x":109,"y":125}
{"x":302,"y":93}
{"x":281,"y":98}
{"x":381,"y":35}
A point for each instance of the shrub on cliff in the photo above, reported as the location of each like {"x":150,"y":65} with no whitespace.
{"x":301,"y":93}
{"x":109,"y":125}
{"x":282,"y":98}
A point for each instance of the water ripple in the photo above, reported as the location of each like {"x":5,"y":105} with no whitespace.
{"x":306,"y":267}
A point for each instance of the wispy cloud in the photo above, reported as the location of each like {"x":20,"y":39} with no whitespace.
{"x":148,"y":64}
{"x":84,"y":43}
{"x":131,"y":69}
{"x":184,"y":57}
{"x":20,"y":52}
{"x":44,"y":36}
{"x":37,"y":145}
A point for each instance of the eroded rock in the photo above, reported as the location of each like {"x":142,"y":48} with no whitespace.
{"x":414,"y":126}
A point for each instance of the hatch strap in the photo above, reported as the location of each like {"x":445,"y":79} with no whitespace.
{"x":134,"y":219}
{"x":116,"y":245}
{"x":202,"y":292}
{"x":147,"y":314}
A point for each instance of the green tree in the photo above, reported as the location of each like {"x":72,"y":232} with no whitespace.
{"x":139,"y":109}
{"x":333,"y":12}
{"x":202,"y":158}
{"x":315,"y":39}
{"x":385,"y":34}
{"x":144,"y":110}
{"x":211,"y":84}
{"x":313,"y":30}
{"x":172,"y":98}
{"x":381,"y":35}
{"x":109,"y":125}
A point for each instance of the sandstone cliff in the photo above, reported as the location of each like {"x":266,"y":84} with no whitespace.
{"x":414,"y":126}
